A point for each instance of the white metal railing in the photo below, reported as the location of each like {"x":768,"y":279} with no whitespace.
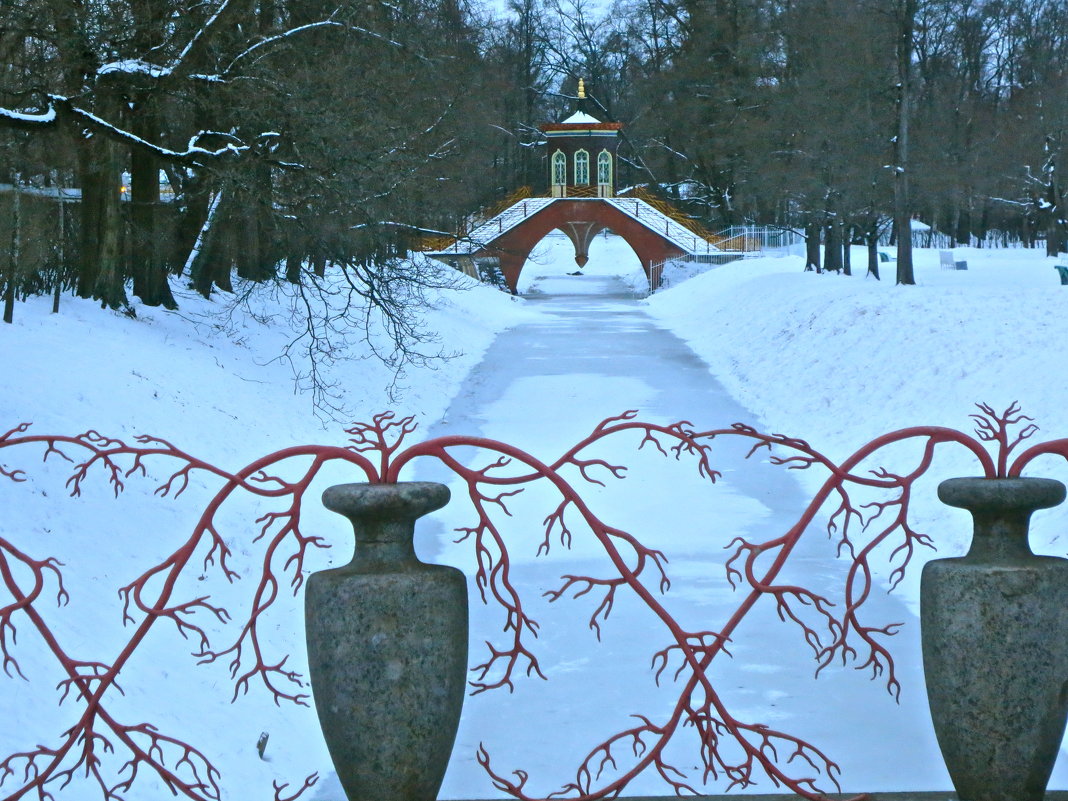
{"x":656,"y":268}
{"x":494,"y":227}
{"x":763,"y":237}
{"x":675,"y":232}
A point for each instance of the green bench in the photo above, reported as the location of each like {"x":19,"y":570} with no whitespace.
{"x":1062,"y":270}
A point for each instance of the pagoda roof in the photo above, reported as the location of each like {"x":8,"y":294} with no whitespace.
{"x":581,"y":117}
{"x":580,"y":121}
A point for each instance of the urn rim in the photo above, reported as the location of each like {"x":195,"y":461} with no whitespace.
{"x":1001,"y":494}
{"x":400,"y":499}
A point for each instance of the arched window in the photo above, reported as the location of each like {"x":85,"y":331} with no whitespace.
{"x":582,"y":167}
{"x":559,"y":167}
{"x":604,"y":168}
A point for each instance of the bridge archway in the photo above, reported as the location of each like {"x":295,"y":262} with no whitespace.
{"x":610,"y":257}
{"x":580,"y":220}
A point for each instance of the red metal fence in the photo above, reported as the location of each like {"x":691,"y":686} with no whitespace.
{"x":729,"y":750}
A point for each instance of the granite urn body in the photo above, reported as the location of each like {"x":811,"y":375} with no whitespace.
{"x":995,"y":644}
{"x":387,"y":647}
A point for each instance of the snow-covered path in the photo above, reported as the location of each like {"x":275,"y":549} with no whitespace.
{"x":542,"y":386}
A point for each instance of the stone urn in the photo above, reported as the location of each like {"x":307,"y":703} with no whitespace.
{"x":994,"y":629}
{"x":387,"y":647}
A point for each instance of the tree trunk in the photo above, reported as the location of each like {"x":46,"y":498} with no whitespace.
{"x":16,"y":252}
{"x":1056,"y":229}
{"x":9,"y":292}
{"x":100,"y":274}
{"x":293,"y":264}
{"x":88,"y":227}
{"x":962,"y":234}
{"x":872,"y":240}
{"x":847,"y":241}
{"x":902,"y":213}
{"x":203,"y":262}
{"x":832,"y":261}
{"x":146,"y":264}
{"x":255,"y":230}
{"x":812,"y":247}
{"x":61,"y":251}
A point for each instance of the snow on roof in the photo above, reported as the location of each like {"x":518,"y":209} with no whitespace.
{"x":581,"y":117}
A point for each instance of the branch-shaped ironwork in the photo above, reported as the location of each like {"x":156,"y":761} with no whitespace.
{"x":834,"y":628}
{"x":151,"y":598}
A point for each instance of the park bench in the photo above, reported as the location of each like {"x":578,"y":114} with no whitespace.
{"x":1062,"y":270}
{"x":945,"y":258}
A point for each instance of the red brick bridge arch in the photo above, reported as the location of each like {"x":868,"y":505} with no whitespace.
{"x":581,"y":220}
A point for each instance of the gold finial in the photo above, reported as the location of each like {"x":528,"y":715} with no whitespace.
{"x":582,"y":89}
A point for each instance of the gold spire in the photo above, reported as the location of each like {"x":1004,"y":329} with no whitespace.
{"x":582,"y":89}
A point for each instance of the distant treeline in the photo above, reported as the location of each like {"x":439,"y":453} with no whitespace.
{"x":295,"y":135}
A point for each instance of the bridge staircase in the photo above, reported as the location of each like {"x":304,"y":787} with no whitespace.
{"x":682,"y":236}
{"x":487,"y":224}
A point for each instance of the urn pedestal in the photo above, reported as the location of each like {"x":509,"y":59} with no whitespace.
{"x":387,"y":648}
{"x":994,"y":628}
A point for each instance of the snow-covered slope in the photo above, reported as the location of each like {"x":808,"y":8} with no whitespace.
{"x":840,"y":360}
{"x":208,"y":379}
{"x":834,"y":360}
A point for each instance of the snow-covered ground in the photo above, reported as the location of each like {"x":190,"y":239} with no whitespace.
{"x":841,"y":360}
{"x":832,"y":359}
{"x":209,"y":379}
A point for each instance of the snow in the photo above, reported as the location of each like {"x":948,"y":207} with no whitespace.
{"x":581,"y":118}
{"x":836,"y":360}
{"x":42,"y":117}
{"x":840,"y":360}
{"x":134,"y":67}
{"x":209,"y":379}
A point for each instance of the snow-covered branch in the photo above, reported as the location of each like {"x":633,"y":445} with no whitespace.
{"x":194,"y":152}
{"x":281,"y":37}
{"x":28,"y":119}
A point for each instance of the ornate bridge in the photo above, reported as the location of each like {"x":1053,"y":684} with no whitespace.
{"x":581,"y":202}
{"x":507,"y":239}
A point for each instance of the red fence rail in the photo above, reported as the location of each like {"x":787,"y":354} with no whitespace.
{"x":730,"y":750}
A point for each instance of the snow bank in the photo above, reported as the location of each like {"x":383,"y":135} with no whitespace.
{"x":222,"y":358}
{"x":209,"y":379}
{"x":840,"y":360}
